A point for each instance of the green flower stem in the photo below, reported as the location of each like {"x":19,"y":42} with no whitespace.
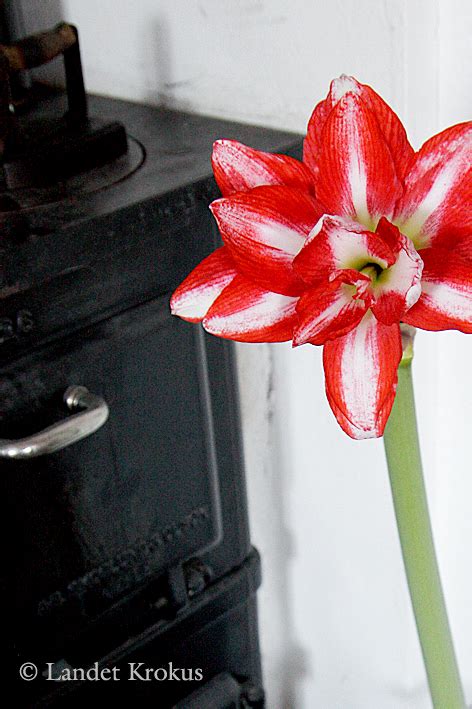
{"x":414,"y":527}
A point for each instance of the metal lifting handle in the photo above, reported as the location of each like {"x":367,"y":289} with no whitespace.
{"x":61,"y":434}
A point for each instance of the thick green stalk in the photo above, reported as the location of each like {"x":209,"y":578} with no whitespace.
{"x":414,"y":527}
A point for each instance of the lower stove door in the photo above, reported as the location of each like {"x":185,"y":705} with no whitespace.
{"x":207,"y":657}
{"x":87,"y":525}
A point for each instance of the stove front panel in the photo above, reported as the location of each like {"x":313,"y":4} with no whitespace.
{"x":94,"y":521}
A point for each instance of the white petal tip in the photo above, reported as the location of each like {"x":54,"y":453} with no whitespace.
{"x":359,"y":434}
{"x":343,"y":85}
{"x":187,"y":311}
{"x":365,"y":435}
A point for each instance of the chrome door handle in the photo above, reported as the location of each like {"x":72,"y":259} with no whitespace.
{"x":61,"y":434}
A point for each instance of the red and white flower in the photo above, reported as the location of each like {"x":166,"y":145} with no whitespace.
{"x":247,"y":290}
{"x":339,"y":249}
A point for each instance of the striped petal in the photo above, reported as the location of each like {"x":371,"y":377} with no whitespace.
{"x":264,"y":229}
{"x":435,"y":209}
{"x":357,"y":176}
{"x":359,"y":433}
{"x":446,"y":293}
{"x":361,"y":376}
{"x":330,"y":310}
{"x":390,"y":125}
{"x":203,"y":285}
{"x":397,"y":288}
{"x":238,"y":168}
{"x":247,"y":313}
{"x":339,"y":243}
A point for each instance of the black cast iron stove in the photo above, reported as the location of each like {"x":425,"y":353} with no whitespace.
{"x":125,"y":524}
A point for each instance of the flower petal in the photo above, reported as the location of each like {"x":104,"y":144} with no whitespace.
{"x":435,"y":209}
{"x":238,"y":168}
{"x":390,"y":125}
{"x":398,"y":287}
{"x":328,"y":311}
{"x":203,"y":285}
{"x":357,"y":177}
{"x":392,"y":129}
{"x":247,"y":313}
{"x":264,"y":229}
{"x":339,"y":243}
{"x":359,"y":433}
{"x":446,"y":297}
{"x":361,"y":376}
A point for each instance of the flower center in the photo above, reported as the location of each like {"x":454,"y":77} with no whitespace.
{"x":373,"y":270}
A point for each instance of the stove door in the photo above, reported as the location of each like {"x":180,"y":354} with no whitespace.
{"x":92,"y":522}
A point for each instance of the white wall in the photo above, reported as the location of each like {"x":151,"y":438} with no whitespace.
{"x":337,"y":628}
{"x":454,"y":386}
{"x":263,"y":61}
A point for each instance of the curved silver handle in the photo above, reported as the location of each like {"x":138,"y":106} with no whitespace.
{"x":61,"y":434}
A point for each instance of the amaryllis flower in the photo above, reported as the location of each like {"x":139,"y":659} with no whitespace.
{"x":247,"y":289}
{"x":339,"y":249}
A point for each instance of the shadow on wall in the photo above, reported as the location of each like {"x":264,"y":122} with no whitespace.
{"x":269,"y":475}
{"x":296,"y":664}
{"x":39,"y":16}
{"x":164,"y":93}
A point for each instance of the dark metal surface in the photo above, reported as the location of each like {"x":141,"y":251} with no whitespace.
{"x":89,"y":255}
{"x":97,"y":519}
{"x":216,"y":633}
{"x":77,"y":105}
{"x":115,"y":540}
{"x":41,"y":154}
{"x":47,"y":158}
{"x":18,"y":203}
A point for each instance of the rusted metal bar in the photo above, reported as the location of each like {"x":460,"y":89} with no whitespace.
{"x":39,"y":49}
